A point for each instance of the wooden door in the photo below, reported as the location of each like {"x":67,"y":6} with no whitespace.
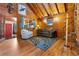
{"x":8,"y":31}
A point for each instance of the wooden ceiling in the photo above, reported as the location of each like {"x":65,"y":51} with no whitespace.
{"x":39,"y":10}
{"x":46,"y":9}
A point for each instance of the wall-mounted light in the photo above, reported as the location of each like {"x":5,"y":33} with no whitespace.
{"x":14,"y":18}
{"x":56,"y":19}
{"x":37,"y":25}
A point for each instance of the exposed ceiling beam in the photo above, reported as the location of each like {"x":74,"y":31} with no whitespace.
{"x":50,"y":9}
{"x":30,"y":7}
{"x":45,"y":9}
{"x":54,"y":9}
{"x":37,"y":9}
{"x":61,"y":7}
{"x":57,"y":8}
{"x":65,"y":6}
{"x":40,"y":10}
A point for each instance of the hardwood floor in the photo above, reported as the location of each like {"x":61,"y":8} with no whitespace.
{"x":13,"y":47}
{"x":58,"y":49}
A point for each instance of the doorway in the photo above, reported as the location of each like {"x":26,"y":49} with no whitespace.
{"x":8,"y":31}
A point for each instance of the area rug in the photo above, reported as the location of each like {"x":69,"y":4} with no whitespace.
{"x":43,"y":42}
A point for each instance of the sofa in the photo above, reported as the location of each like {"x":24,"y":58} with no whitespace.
{"x":46,"y":33}
{"x":25,"y":34}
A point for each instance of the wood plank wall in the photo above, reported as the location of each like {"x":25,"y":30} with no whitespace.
{"x":60,"y":26}
{"x":40,"y":22}
{"x":7,"y":16}
{"x":77,"y":27}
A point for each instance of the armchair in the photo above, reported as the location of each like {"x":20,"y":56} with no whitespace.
{"x":25,"y":34}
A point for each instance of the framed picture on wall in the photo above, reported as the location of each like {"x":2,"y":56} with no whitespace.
{"x":22,"y":9}
{"x":48,"y":21}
